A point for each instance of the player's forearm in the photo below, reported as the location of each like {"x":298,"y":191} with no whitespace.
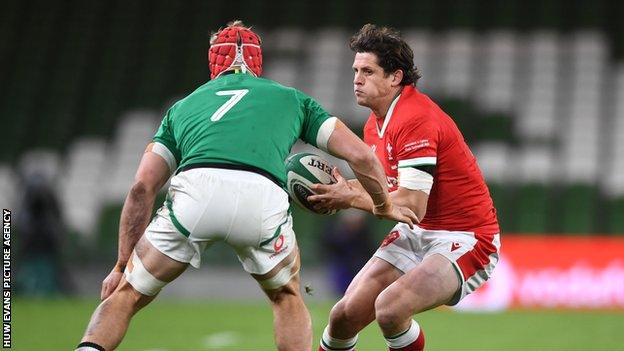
{"x":370,"y":178}
{"x":135,"y":217}
{"x":360,"y":198}
{"x":346,"y":145}
{"x":415,"y":200}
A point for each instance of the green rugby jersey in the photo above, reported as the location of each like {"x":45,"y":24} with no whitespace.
{"x":242,"y":120}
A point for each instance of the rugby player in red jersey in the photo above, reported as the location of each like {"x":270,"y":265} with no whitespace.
{"x":430,"y":169}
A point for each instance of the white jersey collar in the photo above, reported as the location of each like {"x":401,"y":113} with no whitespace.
{"x":381,"y":132}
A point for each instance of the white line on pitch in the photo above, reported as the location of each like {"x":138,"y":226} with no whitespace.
{"x":221,"y":340}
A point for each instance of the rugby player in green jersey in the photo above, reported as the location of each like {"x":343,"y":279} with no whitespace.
{"x":226,"y":144}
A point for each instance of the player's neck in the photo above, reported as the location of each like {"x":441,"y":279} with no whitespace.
{"x":381,"y":109}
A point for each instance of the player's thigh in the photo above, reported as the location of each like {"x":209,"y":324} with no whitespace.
{"x":432,"y":283}
{"x":361,"y":294}
{"x":148,"y":270}
{"x":283,"y":279}
{"x":272,"y":257}
{"x":161,"y":266}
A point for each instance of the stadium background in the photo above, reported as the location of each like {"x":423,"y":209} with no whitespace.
{"x":537,"y":87}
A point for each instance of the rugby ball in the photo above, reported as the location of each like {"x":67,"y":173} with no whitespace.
{"x":302,"y":170}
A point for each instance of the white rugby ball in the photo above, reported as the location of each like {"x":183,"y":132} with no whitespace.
{"x":302,"y":170}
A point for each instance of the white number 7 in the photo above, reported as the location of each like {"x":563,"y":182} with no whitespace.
{"x":237,"y":95}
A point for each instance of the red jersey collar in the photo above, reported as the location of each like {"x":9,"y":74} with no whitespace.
{"x":407,"y":90}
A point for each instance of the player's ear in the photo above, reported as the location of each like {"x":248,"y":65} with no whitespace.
{"x":397,"y":77}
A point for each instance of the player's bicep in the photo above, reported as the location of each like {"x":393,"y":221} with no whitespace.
{"x":153,"y":171}
{"x":325,"y":132}
{"x":167,"y":155}
{"x":417,"y":177}
{"x":415,"y":184}
{"x":344,"y":144}
{"x":317,"y":123}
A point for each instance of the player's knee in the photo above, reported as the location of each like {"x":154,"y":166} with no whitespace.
{"x":338,"y":312}
{"x":282,"y":281}
{"x":387,"y":314}
{"x":126,"y":299}
{"x":283,"y":295}
{"x":387,"y":319}
{"x":344,"y":312}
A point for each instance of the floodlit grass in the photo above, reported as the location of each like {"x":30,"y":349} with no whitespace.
{"x":169,"y":325}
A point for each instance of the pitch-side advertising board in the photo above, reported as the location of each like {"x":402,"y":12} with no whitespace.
{"x":554,"y":272}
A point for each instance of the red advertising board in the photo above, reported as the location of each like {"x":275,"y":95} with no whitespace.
{"x":554,"y":272}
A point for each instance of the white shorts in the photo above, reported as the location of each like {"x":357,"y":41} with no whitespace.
{"x":244,"y":209}
{"x":473,"y":256}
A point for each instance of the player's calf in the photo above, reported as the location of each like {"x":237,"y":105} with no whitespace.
{"x":400,"y":334}
{"x":292,"y":322}
{"x":345,"y":323}
{"x":112,"y":317}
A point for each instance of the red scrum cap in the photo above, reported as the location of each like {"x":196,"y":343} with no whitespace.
{"x":235,"y":45}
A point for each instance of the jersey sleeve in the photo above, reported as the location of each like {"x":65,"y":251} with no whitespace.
{"x":165,"y":136}
{"x":314,"y":129}
{"x":417,"y":143}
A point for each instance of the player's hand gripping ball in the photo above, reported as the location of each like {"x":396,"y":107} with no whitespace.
{"x":303,"y":170}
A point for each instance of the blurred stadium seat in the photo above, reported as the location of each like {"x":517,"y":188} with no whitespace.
{"x":126,"y":150}
{"x":81,"y":192}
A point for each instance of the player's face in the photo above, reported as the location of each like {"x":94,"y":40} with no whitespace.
{"x":370,"y":83}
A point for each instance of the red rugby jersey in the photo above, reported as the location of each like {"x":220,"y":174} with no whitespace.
{"x":417,"y":132}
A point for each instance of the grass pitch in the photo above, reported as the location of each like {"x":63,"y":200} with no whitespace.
{"x":168,"y":325}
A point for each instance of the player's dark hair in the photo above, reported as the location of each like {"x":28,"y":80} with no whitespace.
{"x":391,"y":50}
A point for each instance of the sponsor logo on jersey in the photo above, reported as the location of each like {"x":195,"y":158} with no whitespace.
{"x":392,"y":236}
{"x":392,"y":182}
{"x":415,"y":145}
{"x":455,"y":246}
{"x":389,"y":149}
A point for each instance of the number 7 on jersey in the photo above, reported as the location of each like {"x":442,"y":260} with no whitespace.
{"x":237,"y":95}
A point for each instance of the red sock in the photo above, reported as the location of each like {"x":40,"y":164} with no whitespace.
{"x":329,"y":343}
{"x":415,"y":342}
{"x":417,"y":345}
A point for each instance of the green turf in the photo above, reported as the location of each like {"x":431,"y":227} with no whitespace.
{"x":192,"y":326}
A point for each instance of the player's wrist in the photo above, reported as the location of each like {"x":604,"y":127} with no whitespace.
{"x":353,"y":197}
{"x":382,"y":207}
{"x":119,"y":267}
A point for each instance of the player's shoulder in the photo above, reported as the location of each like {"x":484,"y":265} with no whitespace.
{"x":174,"y":108}
{"x":416,"y":107}
{"x":271,"y":84}
{"x":186,"y":103}
{"x":274,"y":88}
{"x":413,"y":102}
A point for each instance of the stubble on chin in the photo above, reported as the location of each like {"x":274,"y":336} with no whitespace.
{"x":360,"y":101}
